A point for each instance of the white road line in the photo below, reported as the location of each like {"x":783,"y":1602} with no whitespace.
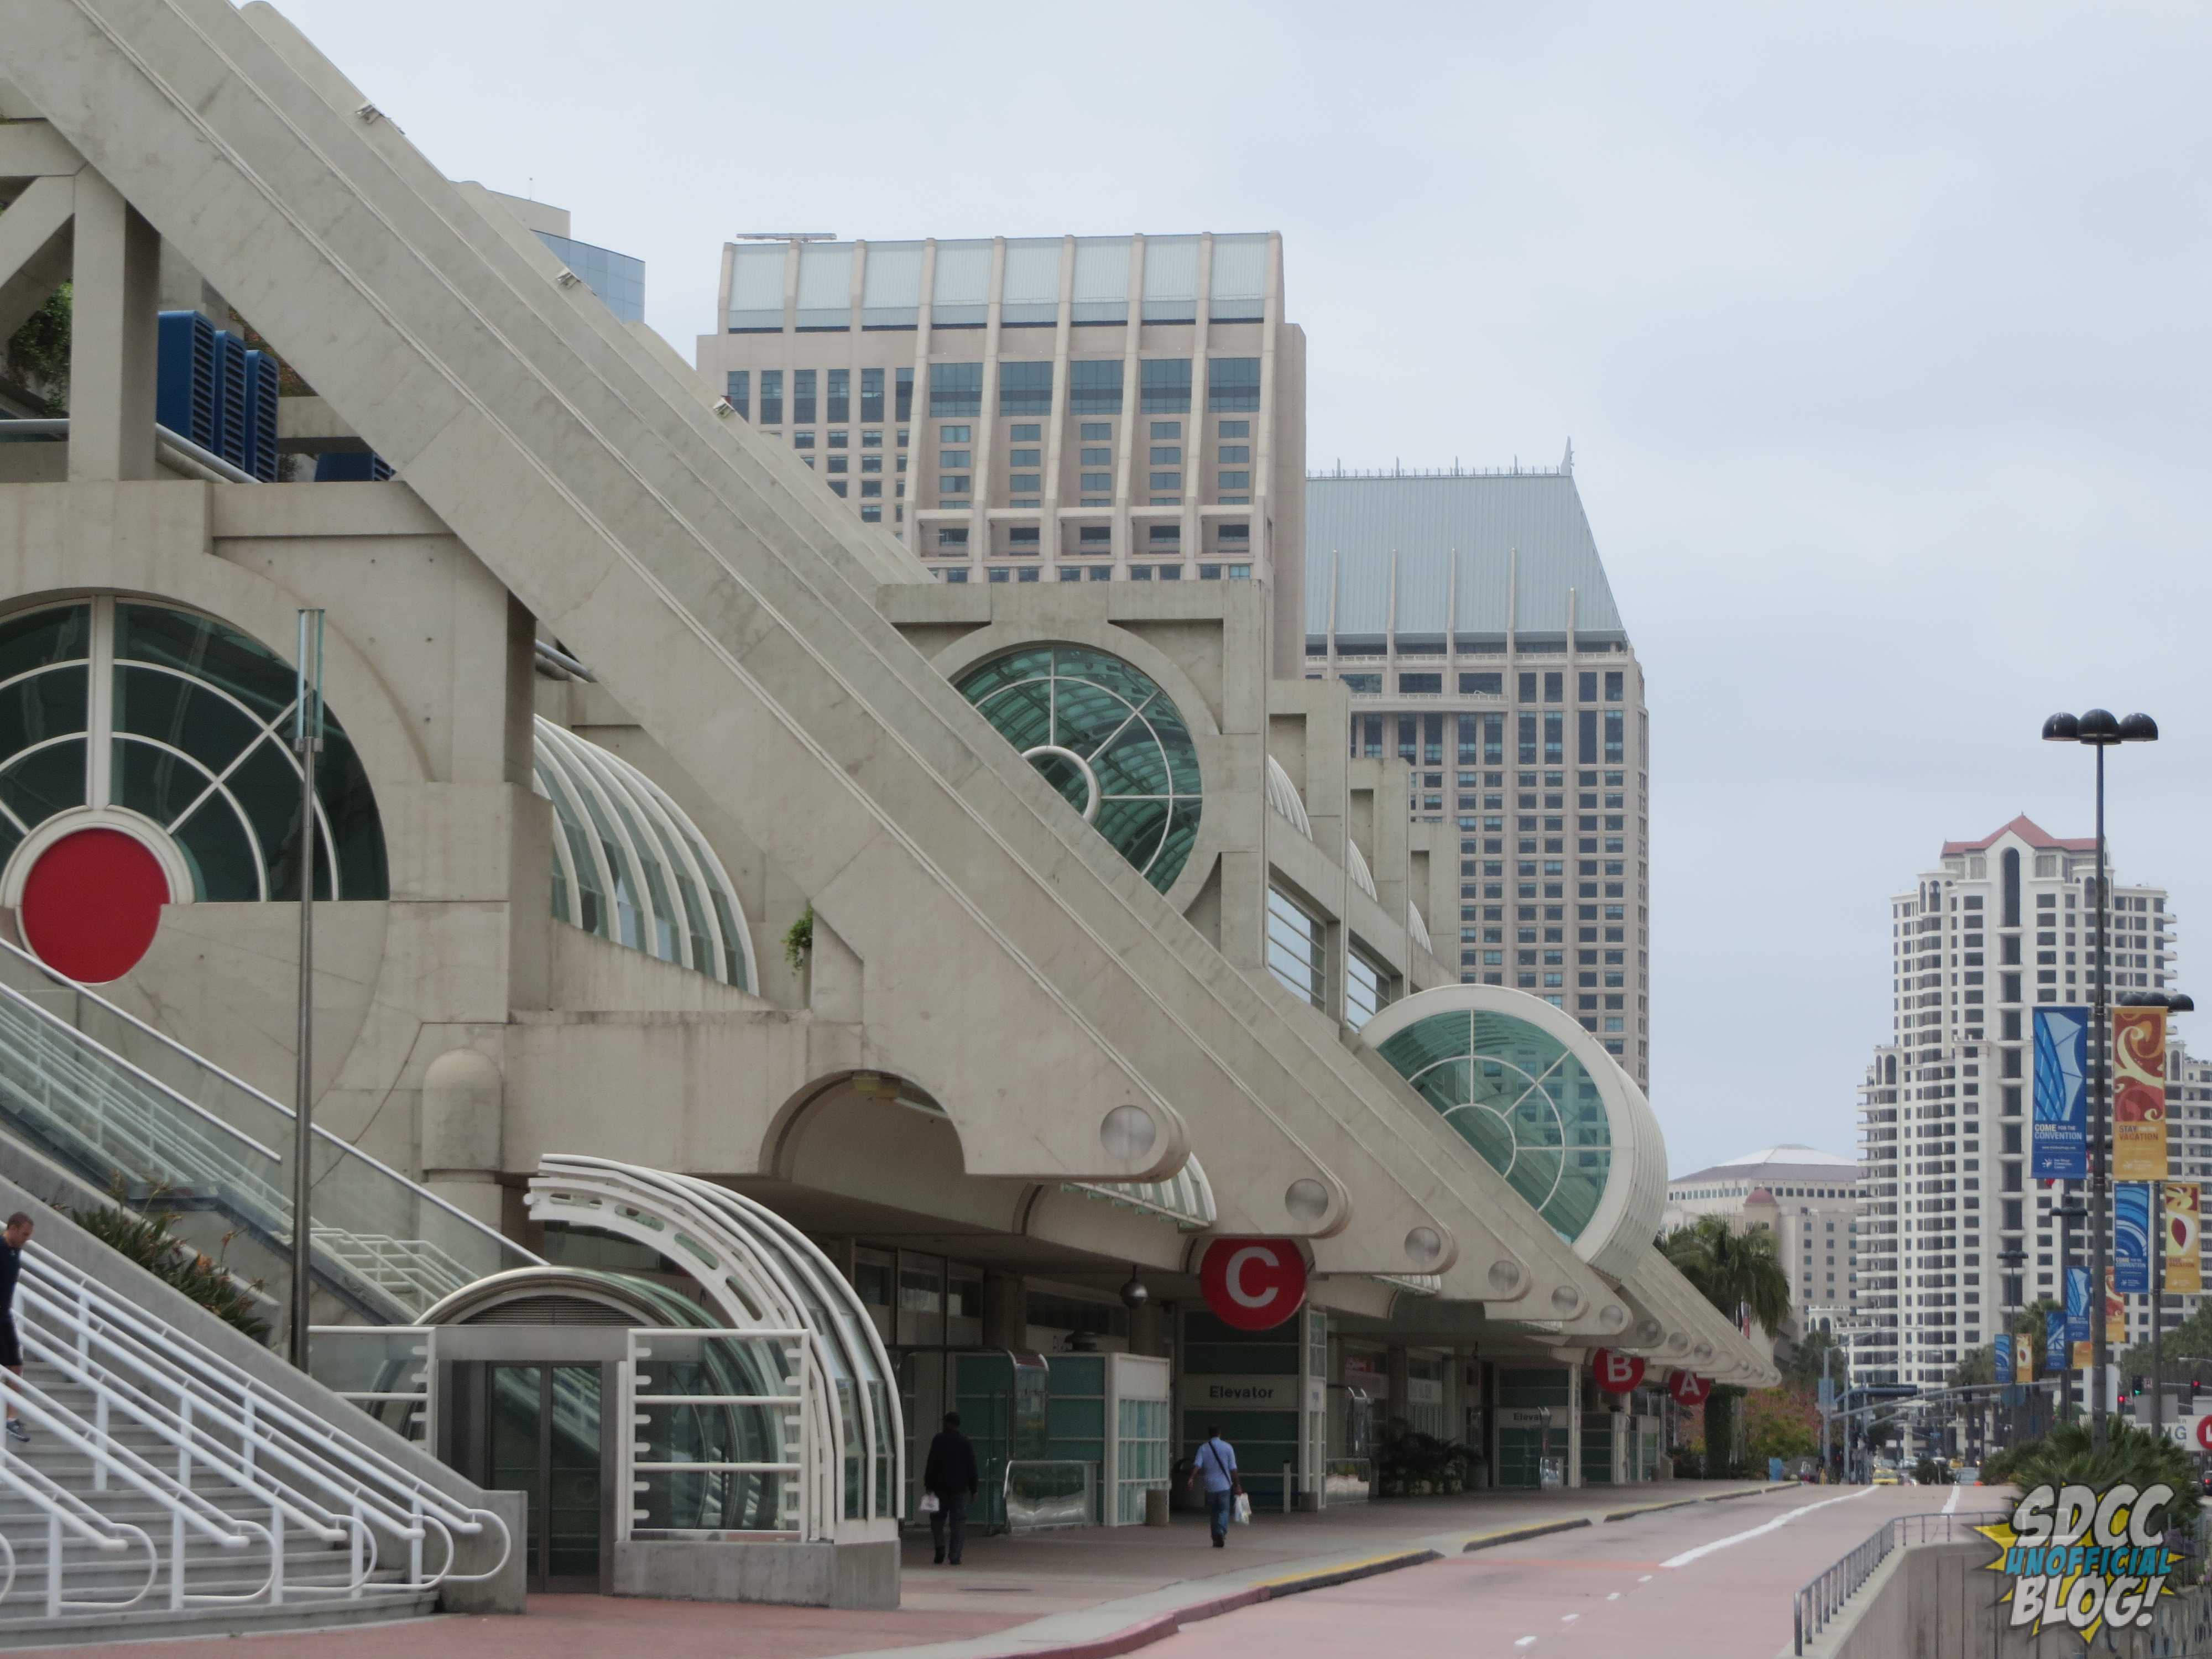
{"x":1645,"y":1579}
{"x":1569,"y":1618}
{"x":1782,"y":1520}
{"x":1951,"y":1506}
{"x":1615,"y":1596}
{"x":1526,"y":1642}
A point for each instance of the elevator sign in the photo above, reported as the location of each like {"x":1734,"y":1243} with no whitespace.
{"x":1253,"y":1284}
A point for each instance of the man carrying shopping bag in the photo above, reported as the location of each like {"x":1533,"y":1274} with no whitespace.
{"x":1216,"y":1466}
{"x":948,"y":1481}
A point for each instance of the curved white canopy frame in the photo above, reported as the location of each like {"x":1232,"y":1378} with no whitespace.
{"x":760,"y":1272}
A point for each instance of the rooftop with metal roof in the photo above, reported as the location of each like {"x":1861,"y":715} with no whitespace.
{"x":1474,"y":553}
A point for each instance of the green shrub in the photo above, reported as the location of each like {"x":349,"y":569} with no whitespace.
{"x":2131,"y":1454}
{"x":147,"y":1239}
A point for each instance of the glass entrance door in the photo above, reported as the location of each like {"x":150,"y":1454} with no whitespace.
{"x":543,"y":1440}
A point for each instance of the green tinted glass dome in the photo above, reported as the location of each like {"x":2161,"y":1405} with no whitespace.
{"x":1544,"y":1104}
{"x":1109,"y":738}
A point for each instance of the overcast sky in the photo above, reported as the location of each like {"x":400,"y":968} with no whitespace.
{"x":1879,"y":332}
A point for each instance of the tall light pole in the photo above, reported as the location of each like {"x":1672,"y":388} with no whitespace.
{"x":2098,"y":730}
{"x":2066,"y":1215}
{"x":306,"y":742}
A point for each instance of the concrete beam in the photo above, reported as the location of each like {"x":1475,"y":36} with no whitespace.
{"x":34,"y":248}
{"x":33,"y":149}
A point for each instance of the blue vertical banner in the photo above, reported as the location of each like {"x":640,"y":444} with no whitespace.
{"x":2077,"y":1313}
{"x":2000,"y":1362}
{"x":2060,"y":1151}
{"x":2055,"y":1342}
{"x":2132,"y":1237}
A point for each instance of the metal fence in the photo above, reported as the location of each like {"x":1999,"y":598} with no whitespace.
{"x":1822,"y":1599}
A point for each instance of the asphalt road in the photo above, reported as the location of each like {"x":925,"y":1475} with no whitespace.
{"x":1712,"y":1581}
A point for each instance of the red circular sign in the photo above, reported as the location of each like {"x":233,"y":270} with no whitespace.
{"x":1688,"y":1388}
{"x":1253,"y":1284}
{"x":2205,"y":1432}
{"x":92,"y":903}
{"x":1617,"y":1372}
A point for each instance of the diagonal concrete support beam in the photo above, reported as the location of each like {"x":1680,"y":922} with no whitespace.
{"x":115,"y":277}
{"x":34,"y":248}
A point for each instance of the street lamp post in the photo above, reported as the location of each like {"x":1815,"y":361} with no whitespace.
{"x":2066,"y":1215}
{"x":2098,"y":730}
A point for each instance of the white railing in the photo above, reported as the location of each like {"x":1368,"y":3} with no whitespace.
{"x":129,"y":1119}
{"x":646,"y":1467}
{"x":308,"y":1475}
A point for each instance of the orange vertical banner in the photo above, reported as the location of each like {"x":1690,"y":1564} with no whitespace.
{"x":2139,"y":1094}
{"x":2116,"y":1319}
{"x":2185,"y":1208}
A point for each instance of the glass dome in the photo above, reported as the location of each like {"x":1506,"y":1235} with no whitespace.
{"x":1109,"y":738}
{"x":629,"y":864}
{"x":1543,"y":1104}
{"x":130,"y":710}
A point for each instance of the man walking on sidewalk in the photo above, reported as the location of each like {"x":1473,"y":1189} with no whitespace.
{"x":948,"y":1477}
{"x":1216,"y":1465}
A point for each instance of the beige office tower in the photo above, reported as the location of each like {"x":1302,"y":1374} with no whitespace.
{"x":1956,"y":1235}
{"x":1470,"y":615}
{"x":1038,"y":409}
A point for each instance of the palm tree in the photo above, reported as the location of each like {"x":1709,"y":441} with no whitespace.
{"x":1738,"y":1273}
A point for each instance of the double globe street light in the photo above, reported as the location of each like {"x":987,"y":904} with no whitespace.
{"x":2099,"y":730}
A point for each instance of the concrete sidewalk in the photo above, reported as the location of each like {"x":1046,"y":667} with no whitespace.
{"x":1078,"y":1594}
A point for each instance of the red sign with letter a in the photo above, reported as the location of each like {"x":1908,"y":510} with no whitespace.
{"x":1688,"y":1388}
{"x":1617,"y":1373}
{"x":1253,"y":1284}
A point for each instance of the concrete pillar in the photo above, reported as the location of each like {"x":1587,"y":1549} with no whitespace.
{"x":1006,"y":1311}
{"x":1574,"y":1426}
{"x":116,"y":278}
{"x":463,"y":1108}
{"x":1400,"y":1395}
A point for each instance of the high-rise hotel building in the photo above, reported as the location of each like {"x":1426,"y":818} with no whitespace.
{"x":1955,"y":1234}
{"x":1470,"y":615}
{"x":1038,"y":409}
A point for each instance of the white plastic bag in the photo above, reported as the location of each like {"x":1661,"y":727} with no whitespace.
{"x":1241,"y":1510}
{"x":929,"y":1504}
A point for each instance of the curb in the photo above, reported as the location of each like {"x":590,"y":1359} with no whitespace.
{"x":1491,"y":1540}
{"x":1159,"y":1628}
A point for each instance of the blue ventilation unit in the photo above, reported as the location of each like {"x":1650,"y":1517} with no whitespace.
{"x":230,"y":407}
{"x":260,"y":416}
{"x":185,"y":377}
{"x":355,"y":466}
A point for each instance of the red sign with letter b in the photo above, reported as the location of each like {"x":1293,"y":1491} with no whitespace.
{"x":1617,"y":1373}
{"x":1253,"y":1284}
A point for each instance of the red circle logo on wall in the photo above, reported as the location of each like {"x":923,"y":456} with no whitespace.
{"x":92,"y":903}
{"x":1253,"y":1284}
{"x":1617,"y":1372}
{"x":1688,"y":1388}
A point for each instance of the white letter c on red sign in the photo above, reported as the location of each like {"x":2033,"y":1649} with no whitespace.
{"x":1234,"y":1276}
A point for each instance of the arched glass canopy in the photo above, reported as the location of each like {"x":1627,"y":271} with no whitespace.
{"x":1543,"y":1105}
{"x":173,"y":720}
{"x":1109,"y":738}
{"x":629,"y":864}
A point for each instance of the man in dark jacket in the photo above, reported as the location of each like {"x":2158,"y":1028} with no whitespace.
{"x":949,"y":1476}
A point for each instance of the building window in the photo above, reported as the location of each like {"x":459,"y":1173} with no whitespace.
{"x":1100,"y":484}
{"x":1098,"y":432}
{"x":955,"y":389}
{"x":1553,"y":741}
{"x":1164,"y":385}
{"x":1613,"y":685}
{"x":1366,"y":989}
{"x":1614,"y":748}
{"x":1025,"y":388}
{"x":1236,"y":480}
{"x":1482,"y":685}
{"x":1094,"y":387}
{"x":738,"y":389}
{"x":1235,"y":429}
{"x":1095,"y":537}
{"x":1167,"y":481}
{"x":1232,"y":384}
{"x":905,"y":400}
{"x":956,"y":459}
{"x":1421,"y":684}
{"x":1294,"y":953}
{"x":1023,"y":483}
{"x":951,"y":541}
{"x":802,"y":397}
{"x":871,"y":486}
{"x":840,"y":399}
{"x":771,"y":390}
{"x":953,"y":484}
{"x":872,"y":396}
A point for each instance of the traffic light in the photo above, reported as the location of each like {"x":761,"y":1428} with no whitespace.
{"x":2192,"y":1394}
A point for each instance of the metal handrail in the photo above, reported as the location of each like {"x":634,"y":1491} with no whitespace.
{"x":269,"y":1427}
{"x":1824,"y":1596}
{"x":422,"y":1194}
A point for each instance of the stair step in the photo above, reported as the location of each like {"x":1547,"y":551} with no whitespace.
{"x":33,"y":1629}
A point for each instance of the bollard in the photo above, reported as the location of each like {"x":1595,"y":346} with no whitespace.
{"x":1156,"y":1506}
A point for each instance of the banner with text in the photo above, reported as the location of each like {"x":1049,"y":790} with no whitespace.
{"x":2185,"y":1210}
{"x":2132,"y":1237}
{"x":2060,"y":1151}
{"x":2139,"y":1094}
{"x":2001,"y":1357}
{"x":2077,"y":1315}
{"x":2057,"y":1345}
{"x":2116,"y":1317}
